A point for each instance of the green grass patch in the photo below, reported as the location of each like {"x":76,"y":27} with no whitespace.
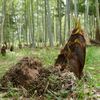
{"x":48,"y":56}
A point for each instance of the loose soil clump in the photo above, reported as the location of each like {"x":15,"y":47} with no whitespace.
{"x":23,"y":73}
{"x":30,"y":74}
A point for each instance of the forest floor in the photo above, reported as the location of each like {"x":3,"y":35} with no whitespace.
{"x":48,"y":56}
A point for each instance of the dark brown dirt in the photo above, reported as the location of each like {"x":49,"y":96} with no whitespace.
{"x":31,"y":75}
{"x":23,"y":73}
{"x":29,"y":78}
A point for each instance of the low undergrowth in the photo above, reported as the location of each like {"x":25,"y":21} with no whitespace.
{"x":88,"y":87}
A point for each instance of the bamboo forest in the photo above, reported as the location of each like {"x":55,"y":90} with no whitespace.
{"x":49,"y":49}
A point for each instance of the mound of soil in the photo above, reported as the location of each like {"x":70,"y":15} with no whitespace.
{"x":31,"y":75}
{"x":23,"y":73}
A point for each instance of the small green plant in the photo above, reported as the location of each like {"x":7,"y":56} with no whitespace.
{"x":12,"y":92}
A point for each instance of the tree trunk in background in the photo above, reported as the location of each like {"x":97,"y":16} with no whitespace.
{"x":29,"y":21}
{"x":46,"y":31}
{"x":32,"y":23}
{"x":75,"y":8}
{"x":49,"y":24}
{"x":3,"y":21}
{"x":97,"y":21}
{"x":43,"y":24}
{"x":26,"y":15}
{"x":53,"y":26}
{"x":13,"y":38}
{"x":19,"y":32}
{"x":65,"y":23}
{"x":94,"y":24}
{"x":59,"y":21}
{"x":86,"y":21}
{"x":38,"y":28}
{"x":68,"y":15}
{"x":37,"y":13}
{"x":90,"y":26}
{"x":86,"y":15}
{"x":57,"y":30}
